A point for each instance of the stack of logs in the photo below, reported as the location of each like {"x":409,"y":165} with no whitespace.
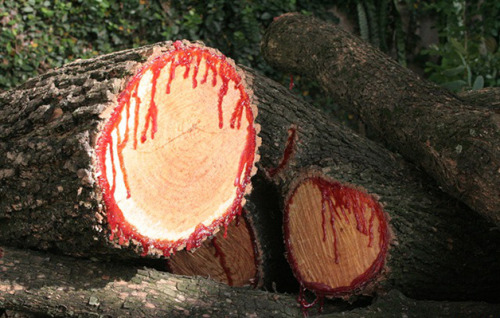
{"x":171,"y":151}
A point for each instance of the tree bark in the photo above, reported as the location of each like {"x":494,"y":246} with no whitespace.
{"x":487,"y":97}
{"x":454,"y":141}
{"x":65,"y":287}
{"x":430,"y":257}
{"x":68,"y":287}
{"x":71,"y":135}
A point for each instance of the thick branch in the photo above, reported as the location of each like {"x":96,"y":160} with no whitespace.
{"x":456,"y":143}
{"x":62,"y":286}
{"x":430,"y":253}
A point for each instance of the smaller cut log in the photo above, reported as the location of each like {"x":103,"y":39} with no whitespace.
{"x":144,"y":151}
{"x":428,"y":256}
{"x":231,"y":257}
{"x":344,"y":243}
{"x":453,"y":140}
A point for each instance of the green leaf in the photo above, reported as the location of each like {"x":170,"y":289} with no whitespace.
{"x":478,"y":83}
{"x":454,"y":71}
{"x":455,"y":86}
{"x":47,"y":12}
{"x":458,"y":46}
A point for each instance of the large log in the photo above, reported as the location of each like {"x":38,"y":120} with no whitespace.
{"x":143,"y":151}
{"x":429,"y":255}
{"x":232,"y":257}
{"x":454,"y":141}
{"x":41,"y":284}
{"x":66,"y":287}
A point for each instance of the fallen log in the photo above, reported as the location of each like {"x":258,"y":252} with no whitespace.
{"x":144,"y":151}
{"x":421,"y":217}
{"x":61,"y":286}
{"x":457,"y":143}
{"x":64,"y":286}
{"x":402,"y":232}
{"x":232,"y":257}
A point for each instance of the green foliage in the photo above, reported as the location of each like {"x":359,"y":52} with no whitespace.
{"x":468,"y":54}
{"x":37,"y":35}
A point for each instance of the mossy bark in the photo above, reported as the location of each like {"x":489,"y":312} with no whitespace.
{"x":441,"y":249}
{"x":457,"y":143}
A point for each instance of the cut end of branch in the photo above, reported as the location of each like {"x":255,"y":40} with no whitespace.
{"x":231,"y":257}
{"x":176,"y":156}
{"x":336,"y":237}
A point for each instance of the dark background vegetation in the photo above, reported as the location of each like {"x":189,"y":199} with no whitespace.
{"x":451,"y":42}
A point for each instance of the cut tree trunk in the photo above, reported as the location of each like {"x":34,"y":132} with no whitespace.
{"x":231,"y":257}
{"x":456,"y":142}
{"x":65,"y":287}
{"x":144,"y":151}
{"x":405,"y":232}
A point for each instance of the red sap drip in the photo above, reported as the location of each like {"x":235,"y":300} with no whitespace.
{"x":171,"y":75}
{"x":287,"y":154}
{"x":341,"y":195}
{"x":196,"y":68}
{"x":136,"y":114}
{"x":301,"y":299}
{"x":145,"y":248}
{"x":113,"y":169}
{"x":198,"y":235}
{"x":120,"y":146}
{"x":210,"y":65}
{"x":184,"y":56}
{"x":152,"y":115}
{"x":326,"y":199}
{"x":186,"y":61}
{"x":222,"y":259}
{"x":237,"y":113}
{"x":222,"y":91}
{"x":290,"y":87}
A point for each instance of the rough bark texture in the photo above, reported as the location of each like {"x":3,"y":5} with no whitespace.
{"x":441,"y":249}
{"x":51,"y":190}
{"x":487,"y":97}
{"x":396,"y":305}
{"x":455,"y":142}
{"x":48,"y":190}
{"x":64,"y":287}
{"x":67,"y":287}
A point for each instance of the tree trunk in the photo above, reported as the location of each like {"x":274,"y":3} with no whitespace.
{"x":61,"y":287}
{"x":429,"y":256}
{"x":67,"y":287}
{"x":454,"y":141}
{"x":232,"y":257}
{"x":487,"y":97}
{"x":105,"y":156}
